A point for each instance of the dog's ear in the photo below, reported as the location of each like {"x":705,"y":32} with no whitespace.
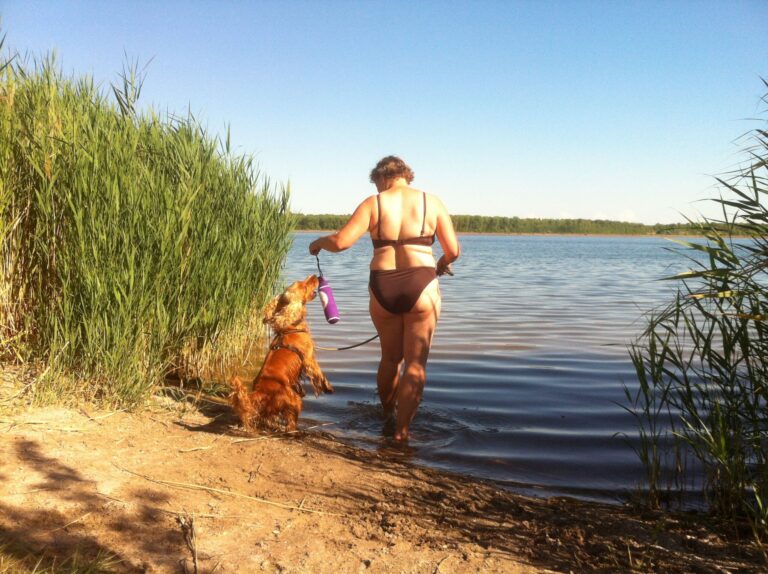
{"x":273,"y":308}
{"x":288,"y":315}
{"x":288,"y":296}
{"x":286,"y":309}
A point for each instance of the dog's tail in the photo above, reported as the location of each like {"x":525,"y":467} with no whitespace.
{"x":241,"y":403}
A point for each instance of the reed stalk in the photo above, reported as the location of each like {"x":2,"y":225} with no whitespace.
{"x":701,"y":361}
{"x":131,"y":243}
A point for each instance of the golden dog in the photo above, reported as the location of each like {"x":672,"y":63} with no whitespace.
{"x":274,"y":399}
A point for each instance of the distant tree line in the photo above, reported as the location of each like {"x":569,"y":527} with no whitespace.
{"x":486,"y":224}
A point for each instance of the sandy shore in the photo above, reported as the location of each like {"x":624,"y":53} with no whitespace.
{"x":120,"y":485}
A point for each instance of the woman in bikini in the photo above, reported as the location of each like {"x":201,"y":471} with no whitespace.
{"x":405,"y":295}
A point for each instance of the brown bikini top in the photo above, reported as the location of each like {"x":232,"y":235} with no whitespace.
{"x":420,"y":240}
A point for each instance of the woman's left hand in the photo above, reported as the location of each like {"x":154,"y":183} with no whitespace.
{"x":314,"y":247}
{"x":443,"y":268}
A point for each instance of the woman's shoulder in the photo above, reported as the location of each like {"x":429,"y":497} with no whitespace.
{"x":434,"y":201}
{"x":368,"y":201}
{"x":365,"y":207}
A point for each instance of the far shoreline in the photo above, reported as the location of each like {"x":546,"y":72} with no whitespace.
{"x":534,"y":234}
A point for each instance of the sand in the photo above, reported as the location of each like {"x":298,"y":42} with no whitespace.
{"x":122,"y":485}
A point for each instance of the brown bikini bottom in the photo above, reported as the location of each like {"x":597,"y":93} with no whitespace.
{"x":397,"y":290}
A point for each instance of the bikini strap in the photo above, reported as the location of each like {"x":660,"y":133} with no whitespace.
{"x":378,"y":204}
{"x":424,"y":220}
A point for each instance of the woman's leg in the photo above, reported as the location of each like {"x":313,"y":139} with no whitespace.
{"x":419,"y":327}
{"x":390,"y":330}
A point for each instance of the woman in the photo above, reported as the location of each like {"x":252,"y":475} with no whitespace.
{"x":405,"y":295}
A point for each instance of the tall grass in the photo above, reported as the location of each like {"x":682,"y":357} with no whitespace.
{"x":702,"y":361}
{"x":127,"y":238}
{"x":16,"y":559}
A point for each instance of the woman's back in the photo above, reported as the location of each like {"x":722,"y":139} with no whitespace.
{"x":402,"y":229}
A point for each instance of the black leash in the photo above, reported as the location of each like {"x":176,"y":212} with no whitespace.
{"x":348,"y":347}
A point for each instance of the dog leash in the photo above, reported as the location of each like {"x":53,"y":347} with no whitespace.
{"x":347,"y":347}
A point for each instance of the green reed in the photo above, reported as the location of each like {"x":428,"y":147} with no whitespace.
{"x":126,"y":238}
{"x":701,"y":361}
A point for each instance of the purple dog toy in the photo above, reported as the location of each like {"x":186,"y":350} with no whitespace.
{"x":329,"y":303}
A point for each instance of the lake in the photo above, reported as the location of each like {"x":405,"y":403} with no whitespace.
{"x":526,"y":376}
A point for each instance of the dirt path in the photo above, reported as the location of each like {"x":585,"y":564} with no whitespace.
{"x":120,"y":484}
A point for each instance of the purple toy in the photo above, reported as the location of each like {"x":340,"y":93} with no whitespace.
{"x":329,"y":303}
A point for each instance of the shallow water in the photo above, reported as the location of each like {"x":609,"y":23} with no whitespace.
{"x":525,"y":378}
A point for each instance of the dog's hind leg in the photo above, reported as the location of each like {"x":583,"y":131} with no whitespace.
{"x":291,"y":412}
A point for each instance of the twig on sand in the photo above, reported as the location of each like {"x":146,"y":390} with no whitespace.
{"x":239,"y":517}
{"x":195,"y":448}
{"x":187,"y":524}
{"x":97,"y":418}
{"x":211,"y":445}
{"x":14,"y":424}
{"x":254,"y":473}
{"x":70,"y":523}
{"x":437,"y":568}
{"x":25,"y":492}
{"x":188,"y":486}
{"x":165,"y":424}
{"x":277,"y":434}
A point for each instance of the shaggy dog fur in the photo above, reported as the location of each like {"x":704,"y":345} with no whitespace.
{"x":274,"y":398}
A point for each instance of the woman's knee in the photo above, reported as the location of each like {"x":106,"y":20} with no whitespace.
{"x":416,"y":372}
{"x":391,"y":359}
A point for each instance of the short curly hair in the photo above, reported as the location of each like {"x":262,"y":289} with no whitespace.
{"x":391,"y":167}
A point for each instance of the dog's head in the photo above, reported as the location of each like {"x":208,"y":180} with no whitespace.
{"x":288,"y":310}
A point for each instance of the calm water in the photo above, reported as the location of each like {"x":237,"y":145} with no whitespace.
{"x":526,"y":374}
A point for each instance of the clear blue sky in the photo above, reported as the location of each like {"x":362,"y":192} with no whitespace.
{"x":593,"y":109}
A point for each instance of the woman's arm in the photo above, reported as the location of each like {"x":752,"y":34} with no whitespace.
{"x":348,"y":235}
{"x":446,"y":235}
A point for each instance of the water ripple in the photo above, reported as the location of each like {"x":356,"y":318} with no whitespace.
{"x":526,"y":375}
